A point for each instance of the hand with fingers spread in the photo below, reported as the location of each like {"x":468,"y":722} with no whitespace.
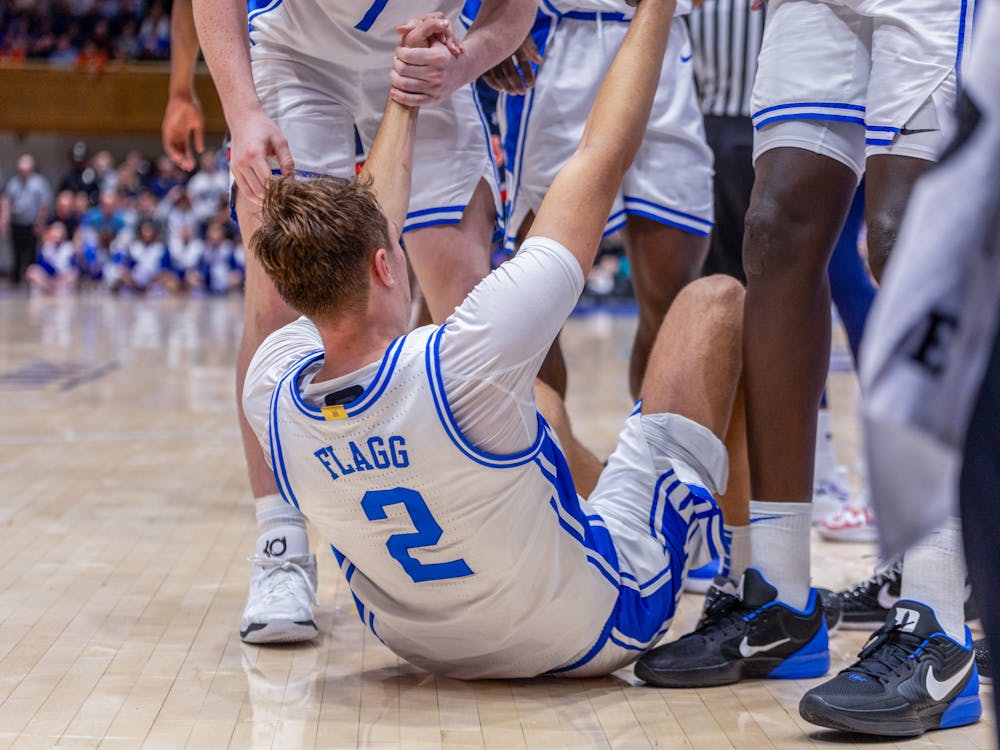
{"x":426,"y":67}
{"x":183,"y":123}
{"x":256,"y":138}
{"x":515,"y":75}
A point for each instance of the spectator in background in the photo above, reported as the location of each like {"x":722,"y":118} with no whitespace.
{"x":54,"y":270}
{"x":105,"y":174}
{"x":126,"y":45}
{"x":206,"y":186}
{"x":88,"y":257}
{"x":219,"y":271}
{"x":65,"y":212}
{"x":165,"y":178}
{"x":142,"y":264}
{"x":176,"y":212}
{"x":154,"y":34}
{"x":64,"y":53}
{"x":185,"y":254}
{"x":80,"y":175}
{"x":24,"y":207}
{"x":106,"y":219}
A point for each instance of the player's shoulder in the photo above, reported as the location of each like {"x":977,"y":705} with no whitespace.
{"x":282,"y":349}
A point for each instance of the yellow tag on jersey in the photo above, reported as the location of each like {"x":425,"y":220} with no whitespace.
{"x":337,"y":411}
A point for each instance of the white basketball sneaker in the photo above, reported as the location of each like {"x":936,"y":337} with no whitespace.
{"x":279,"y":603}
{"x":831,"y":494}
{"x":850,"y":524}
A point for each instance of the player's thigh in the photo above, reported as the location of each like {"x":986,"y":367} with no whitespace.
{"x":813,"y":67}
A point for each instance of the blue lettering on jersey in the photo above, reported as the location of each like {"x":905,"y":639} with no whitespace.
{"x":370,"y":456}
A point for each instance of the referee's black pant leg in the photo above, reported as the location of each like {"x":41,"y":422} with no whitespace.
{"x":731,"y":141}
{"x":979,"y":491}
{"x":25,"y":246}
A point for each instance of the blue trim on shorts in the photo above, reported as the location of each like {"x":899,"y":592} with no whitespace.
{"x":580,"y":15}
{"x":371,"y":15}
{"x":257,"y":8}
{"x":703,"y":226}
{"x":961,"y":43}
{"x":810,"y":116}
{"x":824,"y":105}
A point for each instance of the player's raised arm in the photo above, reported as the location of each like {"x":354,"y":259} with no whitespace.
{"x":183,"y":120}
{"x":390,"y":160}
{"x":577,"y":205}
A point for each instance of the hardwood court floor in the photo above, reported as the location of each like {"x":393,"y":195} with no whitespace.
{"x":125,"y":524}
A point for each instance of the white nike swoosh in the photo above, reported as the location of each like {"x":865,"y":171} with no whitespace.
{"x":938,"y":689}
{"x":747,"y":650}
{"x":885,"y":599}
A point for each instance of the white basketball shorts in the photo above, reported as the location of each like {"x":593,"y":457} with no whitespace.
{"x":670,"y":180}
{"x":322,"y":68}
{"x":853,"y":78}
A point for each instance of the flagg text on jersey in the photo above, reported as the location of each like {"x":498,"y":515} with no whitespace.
{"x":375,"y":453}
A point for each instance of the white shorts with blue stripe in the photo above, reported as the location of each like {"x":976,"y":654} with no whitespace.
{"x":655,"y":509}
{"x":852,"y":78}
{"x":670,"y":180}
{"x":322,"y":68}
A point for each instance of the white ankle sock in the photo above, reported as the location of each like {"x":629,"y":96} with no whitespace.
{"x":934,"y":574}
{"x":282,"y":528}
{"x":737,"y":558}
{"x":826,"y":456}
{"x":779,"y":548}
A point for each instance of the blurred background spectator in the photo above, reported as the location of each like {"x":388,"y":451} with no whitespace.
{"x":24,"y":208}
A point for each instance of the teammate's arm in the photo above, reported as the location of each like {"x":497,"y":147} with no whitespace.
{"x":611,"y":138}
{"x":222,"y":29}
{"x":183,"y":120}
{"x":425,"y":76}
{"x":389,"y":162}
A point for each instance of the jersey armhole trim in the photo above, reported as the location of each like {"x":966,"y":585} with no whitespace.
{"x":447,"y":419}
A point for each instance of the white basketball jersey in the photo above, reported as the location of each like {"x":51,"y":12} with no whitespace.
{"x":463,"y":563}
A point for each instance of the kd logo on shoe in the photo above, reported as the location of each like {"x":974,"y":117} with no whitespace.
{"x":276,"y":547}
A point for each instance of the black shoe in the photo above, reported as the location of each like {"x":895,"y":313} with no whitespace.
{"x":909,"y":678}
{"x":742,"y":633}
{"x":866,"y":604}
{"x":833,"y":609}
{"x":983,"y":661}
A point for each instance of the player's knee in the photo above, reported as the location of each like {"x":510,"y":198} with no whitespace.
{"x":766,"y":248}
{"x":718,"y":292}
{"x":882,"y":230}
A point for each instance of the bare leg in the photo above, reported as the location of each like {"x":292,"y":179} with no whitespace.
{"x":694,"y":368}
{"x":799,"y":203}
{"x":735,"y":503}
{"x":889,"y":181}
{"x":265,"y":312}
{"x":583,"y":465}
{"x":664,"y":260}
{"x":450,"y":260}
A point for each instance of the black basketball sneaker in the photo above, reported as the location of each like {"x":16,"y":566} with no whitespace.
{"x":866,"y":604}
{"x":909,"y":678}
{"x":742,"y":633}
{"x":983,"y":661}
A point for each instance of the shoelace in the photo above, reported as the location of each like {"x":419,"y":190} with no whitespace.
{"x":884,"y":575}
{"x":721,"y":614}
{"x":887,"y":651}
{"x":277,"y":585}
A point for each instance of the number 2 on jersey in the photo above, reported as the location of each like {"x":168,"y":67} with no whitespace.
{"x":427,"y":534}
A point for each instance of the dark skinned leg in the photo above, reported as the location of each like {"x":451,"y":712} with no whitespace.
{"x":889,"y":181}
{"x":664,"y":260}
{"x":797,"y":209}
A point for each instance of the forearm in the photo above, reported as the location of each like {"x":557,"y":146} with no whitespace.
{"x":222,"y":28}
{"x":389,"y":163}
{"x":497,"y":32}
{"x":183,"y":49}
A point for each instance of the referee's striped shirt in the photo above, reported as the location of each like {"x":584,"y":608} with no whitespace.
{"x":725,"y":39}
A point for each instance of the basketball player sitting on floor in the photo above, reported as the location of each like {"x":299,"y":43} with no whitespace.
{"x":423,"y":457}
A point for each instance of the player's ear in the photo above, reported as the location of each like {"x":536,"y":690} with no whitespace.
{"x":382,"y":267}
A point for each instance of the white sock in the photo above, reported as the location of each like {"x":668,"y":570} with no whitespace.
{"x":737,"y":558}
{"x":826,"y":456}
{"x":282,"y":528}
{"x":779,"y":548}
{"x":934,"y":574}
